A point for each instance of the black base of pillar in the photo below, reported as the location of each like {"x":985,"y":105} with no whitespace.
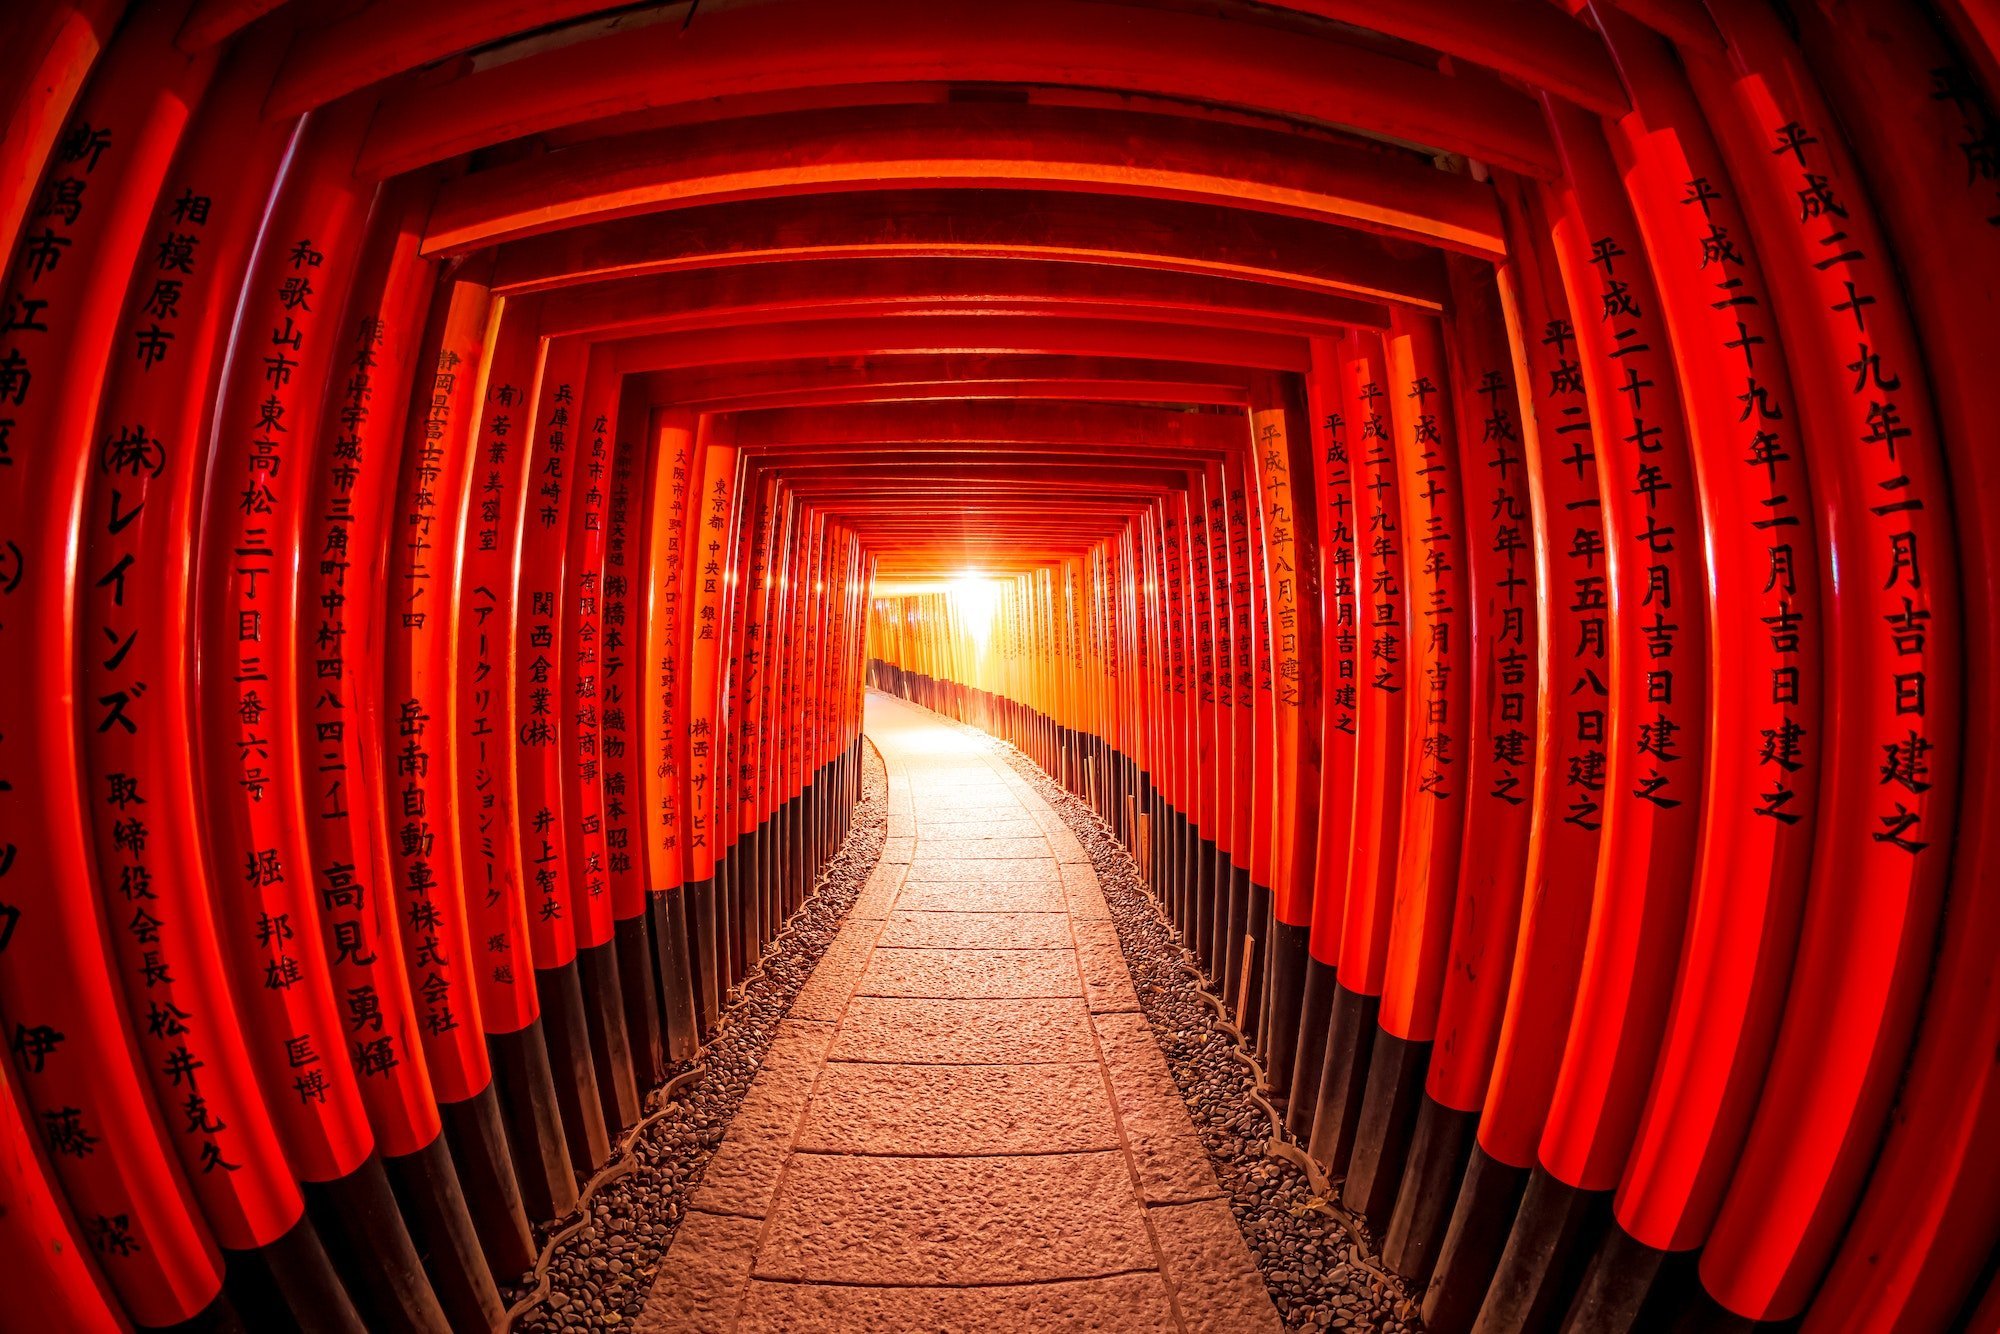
{"x":759,"y":905}
{"x":1686,"y":1307}
{"x":703,"y":957}
{"x":1553,"y":1236}
{"x":1309,"y":1051}
{"x":610,"y":1045}
{"x":1489,"y":1197}
{"x":1217,"y":877}
{"x":1234,"y":929}
{"x":478,"y":1144}
{"x":221,"y":1316}
{"x":680,"y":1031}
{"x":1284,"y":1000}
{"x":365,"y":1237}
{"x":287,"y":1283}
{"x":1432,"y":1171}
{"x":526,"y":1089}
{"x":1249,"y":986}
{"x":250,"y":1297}
{"x":1205,"y":863}
{"x":434,"y":1205}
{"x":728,"y":922}
{"x":633,"y":940}
{"x":1395,"y":1087}
{"x":1350,"y":1042}
{"x":1623,"y":1287}
{"x":567,"y":1033}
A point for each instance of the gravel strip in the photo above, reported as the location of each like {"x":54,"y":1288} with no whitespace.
{"x":599,"y":1278}
{"x":1316,"y":1257}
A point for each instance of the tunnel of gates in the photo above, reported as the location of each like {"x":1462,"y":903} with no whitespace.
{"x":1494,"y":502}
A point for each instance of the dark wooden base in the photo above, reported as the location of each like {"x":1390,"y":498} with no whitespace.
{"x":1622,"y":1289}
{"x":1382,"y":1137}
{"x":1343,"y":1078}
{"x":527,"y":1094}
{"x":610,"y":1044}
{"x":363,"y":1231}
{"x":633,"y":939}
{"x":478,"y":1143}
{"x":1489,"y":1195}
{"x":673,"y":976}
{"x":1554,"y":1233}
{"x":1249,"y":984}
{"x":703,"y":958}
{"x":433,"y":1204}
{"x":1284,"y":1001}
{"x":286,"y":1284}
{"x":1309,"y":1050}
{"x":1431,"y":1173}
{"x":567,"y":1033}
{"x":1235,"y":928}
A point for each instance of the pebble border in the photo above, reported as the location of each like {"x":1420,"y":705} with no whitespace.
{"x":599,"y":1262}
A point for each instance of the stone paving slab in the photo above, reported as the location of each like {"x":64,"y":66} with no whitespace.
{"x":935,"y":1110}
{"x":932,"y":846}
{"x":954,"y":1220}
{"x":929,"y":870}
{"x":703,"y":1276}
{"x":981,"y":898}
{"x":1121,"y":1304}
{"x":971,"y":974}
{"x":1214,"y":1280}
{"x":1107,"y":982}
{"x":942,"y":1032}
{"x":976,"y":931}
{"x":741,"y":1178}
{"x":996,"y":827}
{"x":1169,"y":1161}
{"x":963,"y":1123}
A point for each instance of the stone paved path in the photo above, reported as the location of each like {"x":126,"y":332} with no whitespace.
{"x":964,"y":1123}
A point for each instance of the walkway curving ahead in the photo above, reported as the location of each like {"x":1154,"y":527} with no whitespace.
{"x":964,"y":1122}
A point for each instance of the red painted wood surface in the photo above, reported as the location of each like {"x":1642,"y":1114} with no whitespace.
{"x":1512,"y":480}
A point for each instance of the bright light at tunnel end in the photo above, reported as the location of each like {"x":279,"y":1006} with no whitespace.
{"x":976,"y":599}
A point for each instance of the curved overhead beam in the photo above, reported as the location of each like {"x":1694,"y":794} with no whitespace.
{"x":785,"y":382}
{"x":1529,"y":40}
{"x":975,"y":334}
{"x":212,"y":21}
{"x":1158,"y":234}
{"x":969,"y":145}
{"x":1023,"y":470}
{"x":753,"y":293}
{"x":1198,"y":57}
{"x":1090,"y":425}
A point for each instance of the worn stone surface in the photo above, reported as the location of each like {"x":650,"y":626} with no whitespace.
{"x":972,"y":974}
{"x":1121,"y":1304}
{"x":991,"y":1032}
{"x":927,"y":869}
{"x":982,"y":849}
{"x":964,"y":1123}
{"x":1215,"y":1284}
{"x":955,"y":1220}
{"x":701,"y":1282}
{"x":981,"y":898}
{"x":977,"y":931}
{"x":1319,"y":1262}
{"x":959,"y":1109}
{"x":1165,"y":1153}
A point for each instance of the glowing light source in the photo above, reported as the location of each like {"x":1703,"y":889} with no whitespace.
{"x":977,"y":601}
